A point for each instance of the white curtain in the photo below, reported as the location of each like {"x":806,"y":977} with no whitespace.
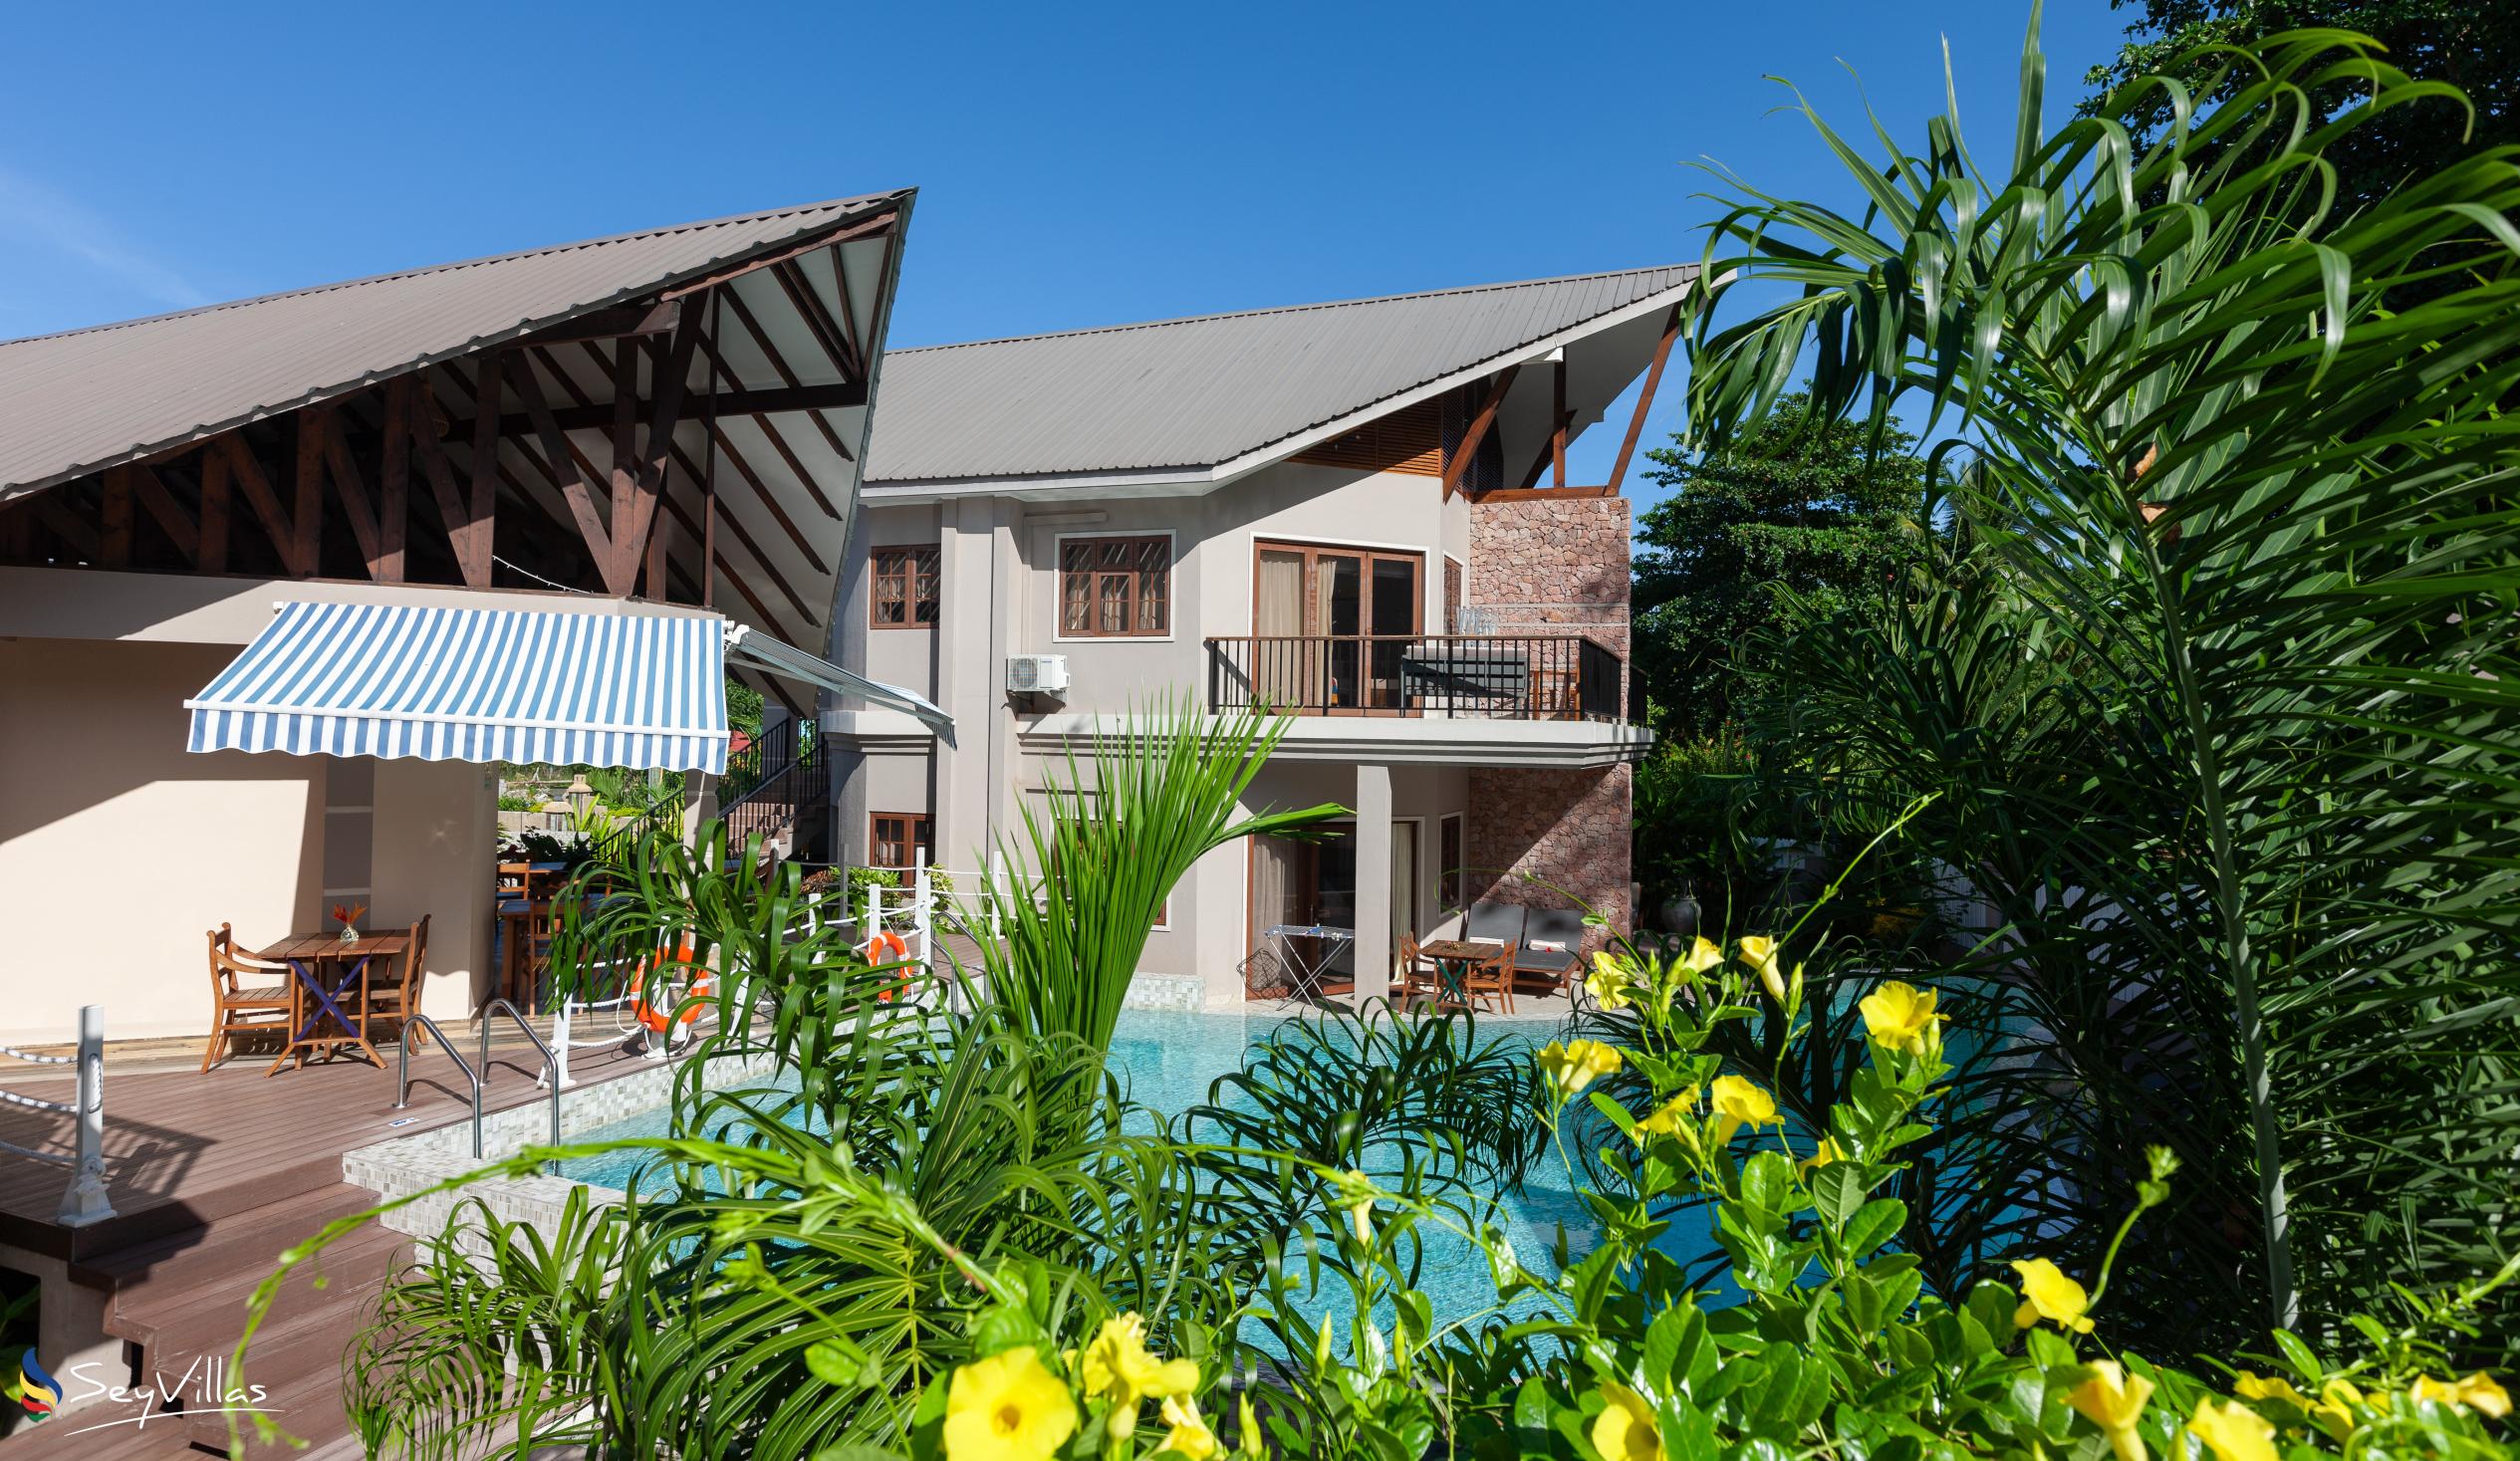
{"x":1272,"y":884}
{"x":1404,"y":885}
{"x":1277,"y":670}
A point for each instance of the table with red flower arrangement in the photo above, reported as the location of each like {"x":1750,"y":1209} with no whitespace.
{"x":307,"y":954}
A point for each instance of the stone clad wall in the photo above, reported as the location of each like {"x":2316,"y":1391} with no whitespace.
{"x":1553,"y":565}
{"x":1542,"y":837}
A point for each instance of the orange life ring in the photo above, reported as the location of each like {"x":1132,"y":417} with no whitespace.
{"x":886,"y":941}
{"x":683,"y":955}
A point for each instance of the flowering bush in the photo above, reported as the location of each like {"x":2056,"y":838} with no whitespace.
{"x":1829,"y":1347}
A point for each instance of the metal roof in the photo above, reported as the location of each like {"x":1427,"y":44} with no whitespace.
{"x":1196,"y":392}
{"x":74,"y":402}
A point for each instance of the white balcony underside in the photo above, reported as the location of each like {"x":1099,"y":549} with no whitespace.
{"x":1391,"y":740}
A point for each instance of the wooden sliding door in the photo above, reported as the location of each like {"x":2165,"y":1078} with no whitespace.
{"x":1332,"y":625}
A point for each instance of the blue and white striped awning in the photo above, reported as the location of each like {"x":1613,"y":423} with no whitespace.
{"x":629,"y":689}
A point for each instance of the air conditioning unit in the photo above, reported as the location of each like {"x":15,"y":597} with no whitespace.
{"x":1030,"y":674}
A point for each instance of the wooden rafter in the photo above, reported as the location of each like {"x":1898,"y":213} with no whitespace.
{"x":1645,"y":399}
{"x":394,"y":485}
{"x":770,"y":432}
{"x":837,"y":347}
{"x":624,"y":472}
{"x":217,"y":491}
{"x":671,"y":379}
{"x":1564,"y":418}
{"x":734,"y":523}
{"x":170,"y":515}
{"x":612,"y":322}
{"x":564,"y":466}
{"x":1478,"y":430}
{"x":778,"y":363}
{"x":463,"y":523}
{"x":1540,"y":463}
{"x":350,"y":484}
{"x":841,"y":234}
{"x":260,"y":496}
{"x":113,"y":518}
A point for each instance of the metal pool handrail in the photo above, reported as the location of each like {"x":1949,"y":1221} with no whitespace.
{"x":551,"y":1069}
{"x":403,"y":1088}
{"x":85,"y":1200}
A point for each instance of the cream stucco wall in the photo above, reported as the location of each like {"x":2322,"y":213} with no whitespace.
{"x":119,"y":848}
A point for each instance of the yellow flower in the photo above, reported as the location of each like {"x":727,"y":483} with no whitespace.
{"x":1189,"y":1435}
{"x":2232,"y":1431}
{"x":1826,"y":1152}
{"x":1609,"y":982}
{"x":1008,"y":1407}
{"x":1117,"y":1367}
{"x":1624,"y":1430}
{"x":1739,"y":1104}
{"x":1900,"y":1016}
{"x":2111,"y":1401}
{"x":2252,"y":1387}
{"x":2335,"y":1412}
{"x":1248,"y":1426}
{"x":1573,"y":1065}
{"x":1675,"y":1117}
{"x":2478,"y":1392}
{"x":1701,"y":957}
{"x":2048,"y":1294}
{"x":1759,"y":953}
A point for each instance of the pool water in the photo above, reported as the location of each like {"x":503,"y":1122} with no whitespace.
{"x":1168,"y":1062}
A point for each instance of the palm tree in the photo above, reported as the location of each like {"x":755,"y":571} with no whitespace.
{"x":2259,"y":515}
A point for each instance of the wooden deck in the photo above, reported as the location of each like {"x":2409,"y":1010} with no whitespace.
{"x":211,"y":1177}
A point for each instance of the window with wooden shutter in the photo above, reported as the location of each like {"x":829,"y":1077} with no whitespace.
{"x":1115,"y":586}
{"x":1407,"y":440}
{"x":904,"y":587}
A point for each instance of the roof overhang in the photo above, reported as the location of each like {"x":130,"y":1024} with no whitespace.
{"x":1199,"y":479}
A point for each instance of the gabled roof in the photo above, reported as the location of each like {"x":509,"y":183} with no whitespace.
{"x":74,"y":402}
{"x":1199,"y":392}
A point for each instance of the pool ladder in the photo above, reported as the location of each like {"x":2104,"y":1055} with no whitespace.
{"x":473,"y":1078}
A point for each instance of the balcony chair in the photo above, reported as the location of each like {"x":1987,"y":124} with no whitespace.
{"x":1551,"y":946}
{"x":402,"y":1000}
{"x":1415,"y":977}
{"x":239,"y":1007}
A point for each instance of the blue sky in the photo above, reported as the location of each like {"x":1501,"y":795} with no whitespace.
{"x":1079,"y":165}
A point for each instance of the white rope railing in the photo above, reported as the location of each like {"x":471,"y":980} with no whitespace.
{"x":85,"y":1201}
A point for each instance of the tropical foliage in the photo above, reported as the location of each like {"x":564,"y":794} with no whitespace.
{"x":1796,"y":503}
{"x":1107,"y":849}
{"x":2213,"y":688}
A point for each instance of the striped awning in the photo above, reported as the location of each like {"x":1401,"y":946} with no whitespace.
{"x":629,"y":689}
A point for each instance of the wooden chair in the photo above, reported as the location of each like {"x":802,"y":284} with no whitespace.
{"x":1417,"y":976}
{"x":400,"y":1000}
{"x":1490,"y":982}
{"x":239,"y":1007}
{"x":529,"y":938}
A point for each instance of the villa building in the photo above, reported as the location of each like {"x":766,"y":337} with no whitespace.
{"x":1356,"y":514}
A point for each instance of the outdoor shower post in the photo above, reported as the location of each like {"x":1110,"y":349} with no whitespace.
{"x":85,"y":1201}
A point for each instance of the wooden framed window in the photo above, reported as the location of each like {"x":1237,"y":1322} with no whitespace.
{"x":904,"y":587}
{"x":1115,"y":588}
{"x":897,"y":839}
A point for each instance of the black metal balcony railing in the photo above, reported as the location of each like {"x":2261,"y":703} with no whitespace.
{"x":1467,"y":676}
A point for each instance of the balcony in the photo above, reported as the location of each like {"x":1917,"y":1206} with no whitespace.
{"x":1435,"y":676}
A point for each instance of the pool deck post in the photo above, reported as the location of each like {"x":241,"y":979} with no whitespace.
{"x":1373,"y":952}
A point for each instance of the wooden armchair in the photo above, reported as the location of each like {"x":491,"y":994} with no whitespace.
{"x":1414,"y":978}
{"x":244,"y":998}
{"x":402,"y":1000}
{"x":1490,"y":982}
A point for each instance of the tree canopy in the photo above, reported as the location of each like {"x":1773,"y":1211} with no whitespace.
{"x":2473,"y":44}
{"x":1794,"y":503}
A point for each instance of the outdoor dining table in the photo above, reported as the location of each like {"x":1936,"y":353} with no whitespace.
{"x":1453,"y":958}
{"x":307,"y":955}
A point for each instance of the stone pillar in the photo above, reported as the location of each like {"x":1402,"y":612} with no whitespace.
{"x":1373,"y":883}
{"x":1548,"y":838}
{"x":1553,"y":565}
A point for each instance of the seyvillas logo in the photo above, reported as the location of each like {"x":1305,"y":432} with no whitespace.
{"x":38,"y":1391}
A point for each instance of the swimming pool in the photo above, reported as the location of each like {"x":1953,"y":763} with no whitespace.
{"x":1169,"y":1061}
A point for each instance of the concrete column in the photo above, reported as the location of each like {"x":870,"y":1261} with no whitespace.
{"x":966,"y":678}
{"x":1373,"y":882}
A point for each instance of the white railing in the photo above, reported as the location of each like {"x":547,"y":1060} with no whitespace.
{"x":84,"y":1201}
